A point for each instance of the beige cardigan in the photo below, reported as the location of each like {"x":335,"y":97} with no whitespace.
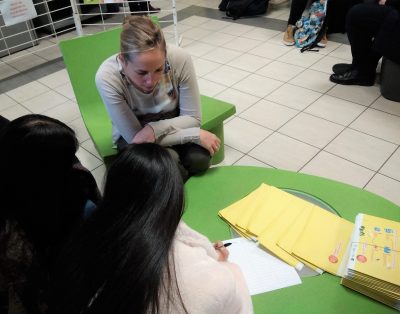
{"x":206,"y":285}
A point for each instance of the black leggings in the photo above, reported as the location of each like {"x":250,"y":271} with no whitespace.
{"x":297,"y":8}
{"x":191,"y":158}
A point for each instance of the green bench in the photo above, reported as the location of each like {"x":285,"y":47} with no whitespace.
{"x":83,"y":56}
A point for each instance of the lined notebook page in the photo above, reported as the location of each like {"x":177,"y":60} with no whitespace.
{"x":262,"y":271}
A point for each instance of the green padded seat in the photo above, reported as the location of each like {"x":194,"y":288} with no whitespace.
{"x":83,"y":56}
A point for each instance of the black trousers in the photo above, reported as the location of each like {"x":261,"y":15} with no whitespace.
{"x":191,"y":158}
{"x":3,"y":122}
{"x":364,"y":26}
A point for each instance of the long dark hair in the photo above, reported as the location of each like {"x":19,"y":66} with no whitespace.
{"x":119,"y":262}
{"x":37,"y":154}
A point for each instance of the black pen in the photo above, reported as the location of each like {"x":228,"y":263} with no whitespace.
{"x":224,"y":245}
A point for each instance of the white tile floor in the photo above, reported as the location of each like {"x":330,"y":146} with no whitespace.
{"x":289,"y":115}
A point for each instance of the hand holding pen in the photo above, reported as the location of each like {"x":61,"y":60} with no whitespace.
{"x":222,"y":251}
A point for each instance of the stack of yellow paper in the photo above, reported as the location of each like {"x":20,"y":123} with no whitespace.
{"x":374,"y":267}
{"x":295,"y":230}
{"x":366,"y":254}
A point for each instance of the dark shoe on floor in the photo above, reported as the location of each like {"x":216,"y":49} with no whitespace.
{"x":153,"y":9}
{"x":352,"y":77}
{"x":341,"y":68}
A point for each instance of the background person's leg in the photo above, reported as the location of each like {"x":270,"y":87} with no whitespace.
{"x":175,"y":156}
{"x":363,"y":24}
{"x":296,"y":10}
{"x":194,"y":158}
{"x":3,"y":122}
{"x":337,"y":12}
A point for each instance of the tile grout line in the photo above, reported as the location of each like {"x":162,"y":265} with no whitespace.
{"x":383,"y":164}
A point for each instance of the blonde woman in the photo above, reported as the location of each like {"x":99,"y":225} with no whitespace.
{"x":150,"y":91}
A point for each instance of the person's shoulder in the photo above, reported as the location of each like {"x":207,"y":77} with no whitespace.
{"x":176,"y":50}
{"x":108,"y":69}
{"x":177,"y":54}
{"x":189,"y":238}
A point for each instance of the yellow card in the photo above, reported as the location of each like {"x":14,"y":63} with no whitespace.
{"x":324,"y":241}
{"x":289,"y":238}
{"x":267,"y":212}
{"x":256,"y":199}
{"x":233,"y":211}
{"x":242,"y":208}
{"x":269,"y":237}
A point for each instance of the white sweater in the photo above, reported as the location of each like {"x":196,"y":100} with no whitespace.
{"x":206,"y":285}
{"x":177,"y":91}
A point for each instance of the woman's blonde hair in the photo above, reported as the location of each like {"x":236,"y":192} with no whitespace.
{"x":140,"y":34}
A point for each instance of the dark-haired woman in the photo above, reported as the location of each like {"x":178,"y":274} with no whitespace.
{"x":135,"y":255}
{"x":151,"y":94}
{"x":43,"y":193}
